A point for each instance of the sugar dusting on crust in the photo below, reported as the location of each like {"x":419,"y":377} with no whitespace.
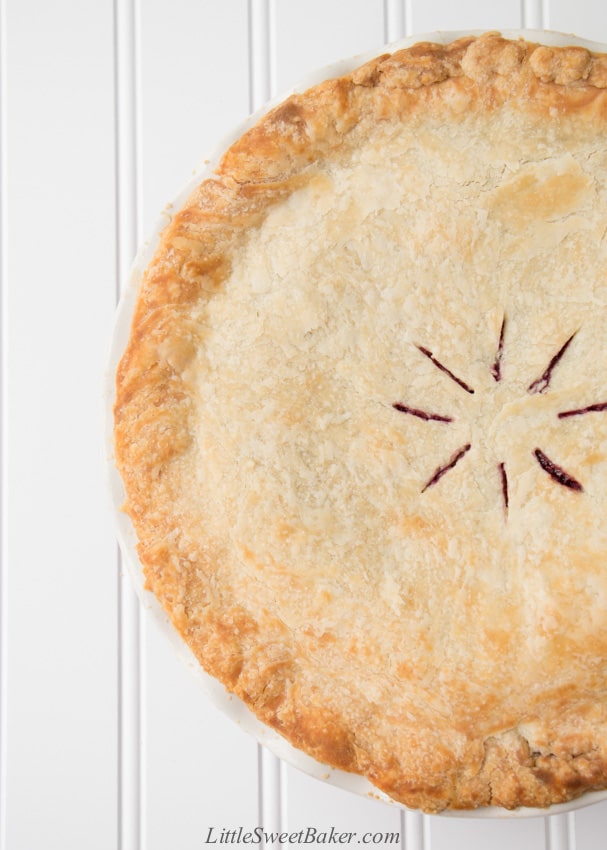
{"x":264,"y":571}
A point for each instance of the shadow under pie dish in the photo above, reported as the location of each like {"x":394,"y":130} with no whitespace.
{"x":361,"y":422}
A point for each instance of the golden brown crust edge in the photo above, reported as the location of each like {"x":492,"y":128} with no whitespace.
{"x":152,"y":409}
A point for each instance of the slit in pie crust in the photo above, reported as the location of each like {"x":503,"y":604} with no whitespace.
{"x":361,"y":421}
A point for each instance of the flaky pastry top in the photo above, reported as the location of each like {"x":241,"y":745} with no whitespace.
{"x":361,"y":421}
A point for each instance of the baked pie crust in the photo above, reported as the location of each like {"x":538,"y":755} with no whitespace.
{"x":361,"y":421}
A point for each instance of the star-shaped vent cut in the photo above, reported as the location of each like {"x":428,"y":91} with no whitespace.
{"x":540,"y":385}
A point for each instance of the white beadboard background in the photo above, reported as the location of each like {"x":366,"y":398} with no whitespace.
{"x":106,"y":740}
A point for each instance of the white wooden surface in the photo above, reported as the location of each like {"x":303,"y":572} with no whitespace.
{"x":106,"y":741}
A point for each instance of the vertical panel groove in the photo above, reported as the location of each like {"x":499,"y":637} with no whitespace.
{"x":261,"y":53}
{"x":415,"y":830}
{"x":3,"y":435}
{"x":270,"y":795}
{"x":395,"y":20}
{"x":261,"y":87}
{"x":398,"y":19}
{"x":532,"y":14}
{"x":129,"y":803}
{"x":560,"y":832}
{"x":409,"y":22}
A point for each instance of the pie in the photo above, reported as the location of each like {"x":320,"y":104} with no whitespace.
{"x":361,"y":421}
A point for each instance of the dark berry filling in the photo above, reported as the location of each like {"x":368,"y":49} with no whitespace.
{"x":556,"y":472}
{"x":504,"y":478}
{"x":541,"y":384}
{"x":421,"y":414}
{"x":442,"y":470}
{"x":444,"y":369}
{"x":592,"y":408}
{"x":496,"y":369}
